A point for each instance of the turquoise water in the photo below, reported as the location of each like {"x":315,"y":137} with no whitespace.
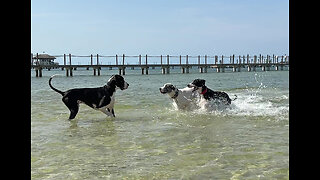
{"x":150,"y":139}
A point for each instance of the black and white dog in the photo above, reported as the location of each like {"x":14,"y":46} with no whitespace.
{"x":182,"y":97}
{"x":100,"y":98}
{"x":208,"y":94}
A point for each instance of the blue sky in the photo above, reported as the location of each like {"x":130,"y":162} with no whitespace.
{"x":174,"y":27}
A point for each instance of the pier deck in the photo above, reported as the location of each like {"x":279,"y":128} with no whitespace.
{"x":219,"y":63}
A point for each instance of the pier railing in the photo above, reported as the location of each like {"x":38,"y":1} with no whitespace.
{"x":71,"y":62}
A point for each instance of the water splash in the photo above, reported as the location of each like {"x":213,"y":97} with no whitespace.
{"x":254,"y":101}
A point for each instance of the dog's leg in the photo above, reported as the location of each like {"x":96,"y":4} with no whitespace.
{"x":73,"y":106}
{"x":73,"y":112}
{"x":106,"y":111}
{"x":112,"y":110}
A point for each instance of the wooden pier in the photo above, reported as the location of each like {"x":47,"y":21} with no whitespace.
{"x":220,"y":63}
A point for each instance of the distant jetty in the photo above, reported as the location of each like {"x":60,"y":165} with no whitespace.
{"x":220,"y":63}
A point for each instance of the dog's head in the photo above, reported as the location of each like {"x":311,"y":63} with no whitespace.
{"x":167,"y":88}
{"x":197,"y":84}
{"x":118,"y":81}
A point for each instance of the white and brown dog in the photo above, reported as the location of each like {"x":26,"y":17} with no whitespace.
{"x":182,"y":98}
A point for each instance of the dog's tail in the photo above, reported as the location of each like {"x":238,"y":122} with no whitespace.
{"x":60,"y":92}
{"x":236,"y":97}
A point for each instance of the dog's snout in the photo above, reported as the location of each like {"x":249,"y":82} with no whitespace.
{"x":162,"y":91}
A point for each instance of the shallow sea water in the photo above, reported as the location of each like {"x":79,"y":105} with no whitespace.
{"x":150,"y":139}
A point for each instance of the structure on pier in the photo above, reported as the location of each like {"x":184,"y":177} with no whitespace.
{"x":43,"y":59}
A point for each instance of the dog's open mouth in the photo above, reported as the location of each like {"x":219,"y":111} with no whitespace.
{"x":125,"y":86}
{"x":193,"y":86}
{"x":162,"y":92}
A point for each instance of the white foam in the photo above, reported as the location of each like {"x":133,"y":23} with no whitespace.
{"x":253,"y":103}
{"x":250,"y":102}
{"x":259,"y":100}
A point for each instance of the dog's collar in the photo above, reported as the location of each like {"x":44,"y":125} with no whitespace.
{"x":175,"y":94}
{"x":205,"y":91}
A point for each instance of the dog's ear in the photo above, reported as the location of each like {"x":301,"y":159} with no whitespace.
{"x":199,"y":82}
{"x":203,"y":82}
{"x":111,"y":81}
{"x":117,"y":76}
{"x":172,"y":87}
{"x":111,"y":78}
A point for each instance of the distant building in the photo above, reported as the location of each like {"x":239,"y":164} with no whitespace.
{"x":44,"y":59}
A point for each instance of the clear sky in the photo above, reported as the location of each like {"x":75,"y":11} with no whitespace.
{"x":160,"y":27}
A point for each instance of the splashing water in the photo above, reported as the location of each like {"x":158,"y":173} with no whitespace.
{"x":254,"y":101}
